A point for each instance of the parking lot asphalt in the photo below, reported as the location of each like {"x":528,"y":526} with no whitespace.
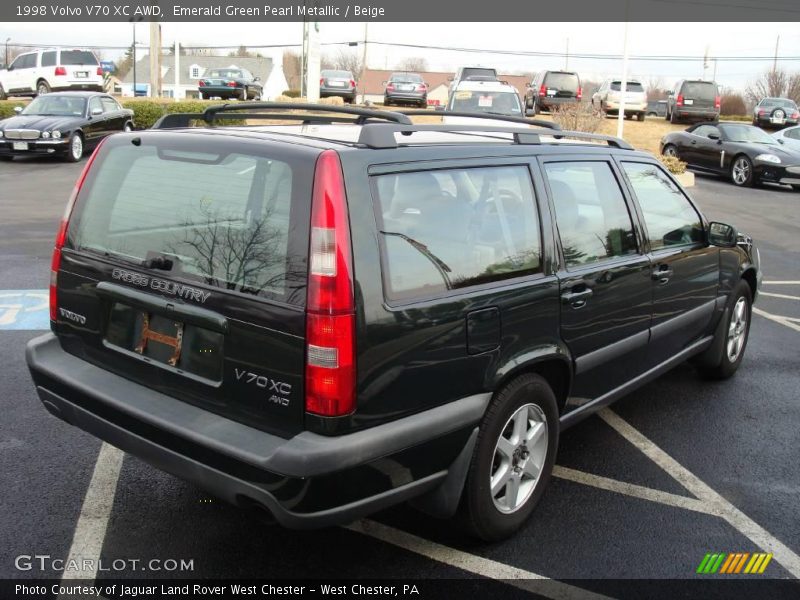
{"x":677,"y":469}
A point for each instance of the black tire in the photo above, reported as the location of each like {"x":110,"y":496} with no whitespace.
{"x":534,"y":109}
{"x":386,"y":101}
{"x":423,"y":104}
{"x":203,"y":96}
{"x":128,"y":127}
{"x":742,"y":171}
{"x":718,"y":362}
{"x":245,"y":94}
{"x":42,"y":87}
{"x":72,"y":154}
{"x":668,"y":115}
{"x":795,"y":187}
{"x":670,"y":150}
{"x":640,"y":116}
{"x":674,"y":119}
{"x":478,"y":510}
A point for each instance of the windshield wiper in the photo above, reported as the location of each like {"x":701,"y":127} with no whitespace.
{"x":440,"y":265}
{"x":111,"y":254}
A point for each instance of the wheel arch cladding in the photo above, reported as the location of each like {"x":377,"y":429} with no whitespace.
{"x":554,"y":370}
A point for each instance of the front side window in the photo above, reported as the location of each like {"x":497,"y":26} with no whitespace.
{"x":94,"y":104}
{"x":449,"y":229}
{"x":591,"y":214}
{"x":670,"y":219}
{"x":706,"y":130}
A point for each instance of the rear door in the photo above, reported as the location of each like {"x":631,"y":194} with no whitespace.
{"x":707,"y":153}
{"x":185,"y":270}
{"x":685,"y":273}
{"x":115,"y":118}
{"x":81,"y":66}
{"x":97,"y":126}
{"x":699,"y":95}
{"x":606,"y":296}
{"x":561,"y":85}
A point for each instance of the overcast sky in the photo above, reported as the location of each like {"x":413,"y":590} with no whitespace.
{"x":644,"y":39}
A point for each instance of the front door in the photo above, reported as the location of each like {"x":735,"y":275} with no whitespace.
{"x":685,"y":275}
{"x":604,"y":277}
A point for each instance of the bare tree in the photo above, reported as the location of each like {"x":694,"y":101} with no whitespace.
{"x":793,"y":87}
{"x":412,"y":63}
{"x":656,"y":88}
{"x":244,"y":52}
{"x":346,"y":60}
{"x":772,"y":83}
{"x":291,"y":69}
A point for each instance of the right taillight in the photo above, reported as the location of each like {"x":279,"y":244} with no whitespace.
{"x":679,"y":100}
{"x":330,"y":304}
{"x":717,"y":101}
{"x":61,"y":236}
{"x":322,"y":81}
{"x":543,"y":90}
{"x":60,"y":71}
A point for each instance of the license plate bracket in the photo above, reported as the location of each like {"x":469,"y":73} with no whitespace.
{"x":20,"y":145}
{"x":149,"y":334}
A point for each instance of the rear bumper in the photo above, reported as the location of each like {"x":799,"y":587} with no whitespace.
{"x":547,"y":103}
{"x":88,"y":86}
{"x":326,"y":92}
{"x":303,"y":482}
{"x":406,"y":96}
{"x":633,"y":108}
{"x":687,"y":112}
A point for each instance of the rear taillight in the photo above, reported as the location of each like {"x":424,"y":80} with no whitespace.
{"x":231,"y":84}
{"x":543,"y":90}
{"x":330,"y":305}
{"x":100,"y":71}
{"x":201,"y":83}
{"x":717,"y":102}
{"x":762,"y":112}
{"x":795,"y":115}
{"x":679,"y":100}
{"x":61,"y":236}
{"x":61,"y":71}
{"x":390,"y":86}
{"x":422,"y":87}
{"x":322,"y":81}
{"x":352,"y":83}
{"x":580,"y":93}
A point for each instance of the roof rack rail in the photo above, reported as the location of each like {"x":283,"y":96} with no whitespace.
{"x":480,"y":115}
{"x":382,"y":135}
{"x":279,"y":110}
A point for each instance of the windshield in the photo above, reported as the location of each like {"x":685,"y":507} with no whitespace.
{"x":53,"y":104}
{"x":78,"y":57}
{"x":337,"y":74}
{"x":406,"y":78}
{"x":224,"y":73}
{"x":499,"y":103}
{"x":746,"y":133}
{"x":632,"y":86}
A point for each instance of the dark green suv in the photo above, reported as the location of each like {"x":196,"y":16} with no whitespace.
{"x":325,"y":319}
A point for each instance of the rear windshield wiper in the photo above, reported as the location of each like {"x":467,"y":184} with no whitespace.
{"x":440,"y":265}
{"x":111,"y":254}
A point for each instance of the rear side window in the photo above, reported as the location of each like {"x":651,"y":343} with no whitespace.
{"x":702,"y":90}
{"x":78,"y":57}
{"x":49,"y":58}
{"x":632,"y":86}
{"x":562,"y":81}
{"x":670,"y":219}
{"x":109,"y":104}
{"x":223,"y":219}
{"x":591,"y":214}
{"x":450,"y":229}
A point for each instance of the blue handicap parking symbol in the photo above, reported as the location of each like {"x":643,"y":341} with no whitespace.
{"x":24,"y":309}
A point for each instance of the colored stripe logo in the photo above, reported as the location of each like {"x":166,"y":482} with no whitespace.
{"x":734,"y":563}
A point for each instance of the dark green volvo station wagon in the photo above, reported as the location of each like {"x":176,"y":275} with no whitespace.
{"x":320,"y":320}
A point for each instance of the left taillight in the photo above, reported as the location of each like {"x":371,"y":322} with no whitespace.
{"x":100,"y":71}
{"x":61,"y":236}
{"x":60,"y":71}
{"x":717,"y":101}
{"x":580,"y":93}
{"x":330,"y":304}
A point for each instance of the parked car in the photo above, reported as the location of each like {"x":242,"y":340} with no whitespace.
{"x":776,"y":113}
{"x":551,"y":89}
{"x":471,"y":74}
{"x":405,"y":88}
{"x":321,"y":322}
{"x":65,"y":124}
{"x":230,"y":82}
{"x":488,"y":97}
{"x":656,"y":108}
{"x":337,"y":83}
{"x":51,"y":70}
{"x":608,"y":98}
{"x":789,"y":137}
{"x":693,"y":99}
{"x":740,"y":151}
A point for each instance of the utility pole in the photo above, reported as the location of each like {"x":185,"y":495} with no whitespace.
{"x":775,"y":62}
{"x":155,"y":59}
{"x":177,"y":69}
{"x":363,"y":62}
{"x":705,"y":63}
{"x":134,"y":57}
{"x":566,"y":57}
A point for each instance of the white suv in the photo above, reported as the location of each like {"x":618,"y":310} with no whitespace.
{"x":488,"y":97}
{"x":609,"y":97}
{"x":51,"y":69}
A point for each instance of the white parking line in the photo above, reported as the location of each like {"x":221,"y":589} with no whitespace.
{"x":486,"y":567}
{"x":780,"y":282}
{"x":631,"y":489}
{"x":90,"y":532}
{"x":716,"y":503}
{"x":785,"y":321}
{"x":772,"y":295}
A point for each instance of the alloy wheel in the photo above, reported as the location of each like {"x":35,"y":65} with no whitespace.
{"x":737,"y":330}
{"x":741,"y":171}
{"x":76,"y":147}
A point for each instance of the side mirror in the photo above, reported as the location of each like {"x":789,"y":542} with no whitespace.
{"x":17,"y":109}
{"x":97,"y":111}
{"x":781,"y":141}
{"x":722,"y":234}
{"x":713,"y":136}
{"x":256,"y":78}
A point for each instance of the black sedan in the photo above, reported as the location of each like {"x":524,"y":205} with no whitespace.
{"x":742,"y":152}
{"x":64,"y":124}
{"x":230,"y":83}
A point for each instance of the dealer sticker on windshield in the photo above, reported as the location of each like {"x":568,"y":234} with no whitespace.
{"x":485,"y":101}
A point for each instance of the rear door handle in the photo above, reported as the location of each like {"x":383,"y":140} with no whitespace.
{"x":577,"y":299}
{"x":694,"y":142}
{"x":662,"y":274}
